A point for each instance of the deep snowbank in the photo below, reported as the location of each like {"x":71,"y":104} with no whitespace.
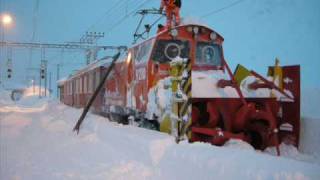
{"x":310,"y":100}
{"x":41,"y":145}
{"x":29,"y":102}
{"x":310,"y":122}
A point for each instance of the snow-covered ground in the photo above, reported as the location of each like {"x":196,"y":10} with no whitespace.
{"x":37,"y":142}
{"x":310,"y":122}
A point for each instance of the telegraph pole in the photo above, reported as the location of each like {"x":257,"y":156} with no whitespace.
{"x":1,"y":49}
{"x":45,"y":80}
{"x":91,"y":37}
{"x":58,"y":77}
{"x":50,"y":74}
{"x":43,"y":74}
{"x":40,"y":82}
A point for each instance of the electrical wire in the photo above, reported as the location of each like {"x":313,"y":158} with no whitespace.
{"x":111,"y":12}
{"x":108,"y":12}
{"x":127,"y":16}
{"x":35,"y":20}
{"x":222,"y":9}
{"x":146,"y":31}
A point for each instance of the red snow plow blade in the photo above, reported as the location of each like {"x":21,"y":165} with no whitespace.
{"x":289,"y":120}
{"x":262,"y":122}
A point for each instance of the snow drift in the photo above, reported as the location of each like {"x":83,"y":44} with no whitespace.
{"x":41,"y":145}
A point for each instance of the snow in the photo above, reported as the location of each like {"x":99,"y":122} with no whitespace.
{"x":290,"y":151}
{"x":206,"y":85}
{"x":41,"y":145}
{"x":238,"y":144}
{"x":159,"y":98}
{"x":193,"y":21}
{"x":310,"y":99}
{"x":310,"y":137}
{"x":310,"y":122}
{"x":178,"y":60}
{"x":247,"y":92}
{"x":93,"y":65}
{"x":61,"y":81}
{"x":29,"y":103}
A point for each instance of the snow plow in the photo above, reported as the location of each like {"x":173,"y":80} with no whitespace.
{"x":179,"y":82}
{"x":259,"y":112}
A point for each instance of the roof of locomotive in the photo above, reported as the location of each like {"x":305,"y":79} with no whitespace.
{"x":106,"y":62}
{"x":186,"y":24}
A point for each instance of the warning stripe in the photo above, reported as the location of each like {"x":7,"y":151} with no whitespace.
{"x":186,"y":87}
{"x":188,"y":67}
{"x":183,"y":107}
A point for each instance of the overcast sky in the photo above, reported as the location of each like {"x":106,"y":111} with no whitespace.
{"x":255,"y":31}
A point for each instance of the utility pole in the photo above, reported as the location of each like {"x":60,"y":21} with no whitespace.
{"x":9,"y":63}
{"x":58,"y":77}
{"x":91,"y":37}
{"x":1,"y":49}
{"x":40,"y":74}
{"x":50,"y":74}
{"x":33,"y":85}
{"x":43,"y":72}
{"x":46,"y":80}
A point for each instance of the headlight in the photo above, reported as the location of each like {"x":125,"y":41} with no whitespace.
{"x":172,"y":50}
{"x":174,"y":32}
{"x":196,"y":30}
{"x":128,"y":58}
{"x":213,"y":36}
{"x":189,"y":29}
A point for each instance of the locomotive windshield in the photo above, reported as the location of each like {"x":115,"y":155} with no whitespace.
{"x":208,"y":54}
{"x":167,"y":50}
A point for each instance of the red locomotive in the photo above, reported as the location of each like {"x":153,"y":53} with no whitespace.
{"x":179,"y":82}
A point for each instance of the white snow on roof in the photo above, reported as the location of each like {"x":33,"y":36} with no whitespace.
{"x":185,"y":22}
{"x":62,"y":81}
{"x":93,"y":65}
{"x":99,"y":63}
{"x":193,"y":21}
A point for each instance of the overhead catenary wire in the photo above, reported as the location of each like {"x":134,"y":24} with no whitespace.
{"x":112,"y":13}
{"x":222,"y":9}
{"x":146,"y":31}
{"x":108,"y":12}
{"x":35,"y":20}
{"x":127,"y":16}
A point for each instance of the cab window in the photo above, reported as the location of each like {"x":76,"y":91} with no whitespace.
{"x":167,"y":50}
{"x":208,"y":54}
{"x":142,"y":51}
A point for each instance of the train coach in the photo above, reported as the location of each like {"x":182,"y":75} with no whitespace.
{"x":179,"y":82}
